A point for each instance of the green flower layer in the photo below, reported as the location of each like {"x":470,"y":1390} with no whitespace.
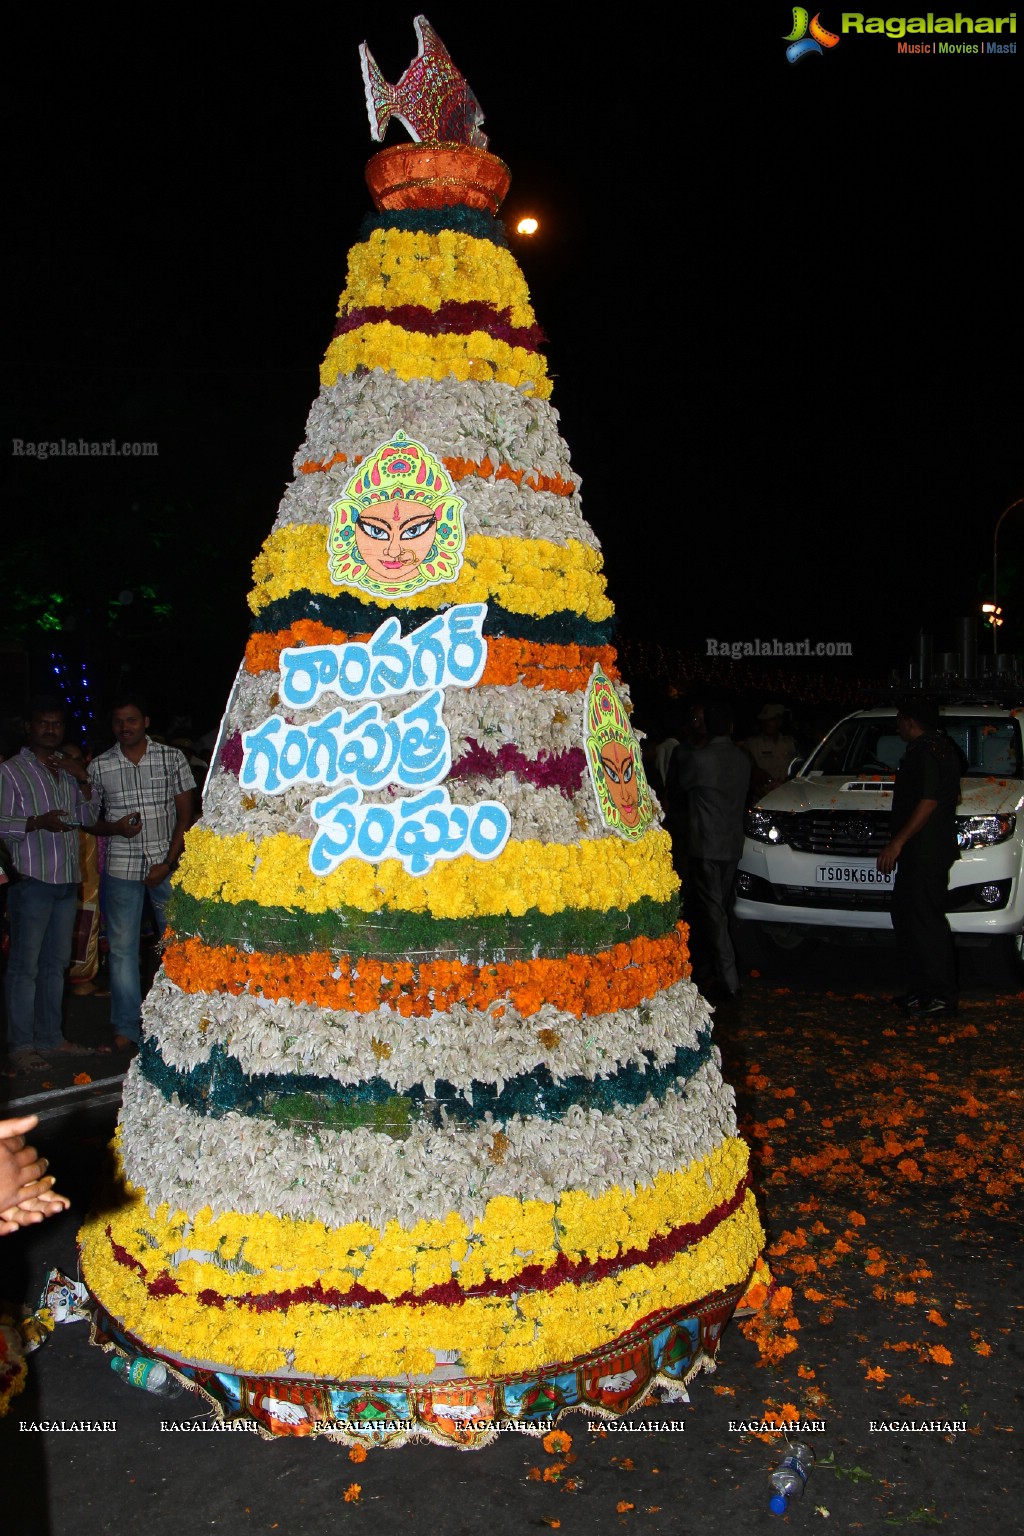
{"x":219,"y":1086}
{"x":383,"y":935}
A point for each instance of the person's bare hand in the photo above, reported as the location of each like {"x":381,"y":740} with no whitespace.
{"x":20,"y":1164}
{"x":886,"y":861}
{"x":50,"y":821}
{"x":157,"y":874}
{"x":35,"y":1201}
{"x":128,"y":826}
{"x":74,"y":767}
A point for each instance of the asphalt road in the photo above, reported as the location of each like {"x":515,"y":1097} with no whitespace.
{"x":888,"y":1170}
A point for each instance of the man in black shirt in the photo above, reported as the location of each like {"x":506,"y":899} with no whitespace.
{"x":922,"y":848}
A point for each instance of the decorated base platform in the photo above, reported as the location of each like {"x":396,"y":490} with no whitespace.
{"x":667,"y":1350}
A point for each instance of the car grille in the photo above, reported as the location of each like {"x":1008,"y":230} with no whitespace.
{"x":856,"y":833}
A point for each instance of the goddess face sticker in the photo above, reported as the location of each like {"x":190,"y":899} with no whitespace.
{"x":613,"y":757}
{"x":398,"y":527}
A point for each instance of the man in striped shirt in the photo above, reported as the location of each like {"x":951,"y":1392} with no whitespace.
{"x":44,"y":798}
{"x":148,"y":796}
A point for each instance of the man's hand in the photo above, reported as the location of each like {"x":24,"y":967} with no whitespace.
{"x":158,"y":874}
{"x":74,"y":767}
{"x":886,"y":860}
{"x":48,"y":821}
{"x":128,"y":826}
{"x":26,"y":1191}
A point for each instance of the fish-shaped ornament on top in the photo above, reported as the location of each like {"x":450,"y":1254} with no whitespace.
{"x":432,"y":99}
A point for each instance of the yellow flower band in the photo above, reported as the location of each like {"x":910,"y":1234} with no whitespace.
{"x":530,"y":663}
{"x":511,"y":1236}
{"x":395,"y":267}
{"x":583,"y":985}
{"x":597,"y":875}
{"x":531,"y":576}
{"x":491,"y":1336}
{"x":415,"y":355}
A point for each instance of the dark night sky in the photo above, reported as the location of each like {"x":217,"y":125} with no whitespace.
{"x":793,"y":290}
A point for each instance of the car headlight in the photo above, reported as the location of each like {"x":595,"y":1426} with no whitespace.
{"x":983,"y":831}
{"x":759,"y":825}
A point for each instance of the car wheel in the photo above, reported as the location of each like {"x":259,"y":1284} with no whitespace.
{"x":766,"y":947}
{"x":1000,"y":962}
{"x":788,"y":939}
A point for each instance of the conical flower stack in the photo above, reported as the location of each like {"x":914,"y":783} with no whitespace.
{"x":427,"y":1131}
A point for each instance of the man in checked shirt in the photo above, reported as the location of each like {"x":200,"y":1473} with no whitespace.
{"x":44,"y":798}
{"x":149,"y":803}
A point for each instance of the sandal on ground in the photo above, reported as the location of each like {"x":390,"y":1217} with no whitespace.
{"x":71,"y":1048}
{"x":28,"y":1061}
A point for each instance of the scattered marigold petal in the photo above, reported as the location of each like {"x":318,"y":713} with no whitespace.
{"x":905,"y":1298}
{"x":876,"y":1373}
{"x":940,"y":1354}
{"x":556,"y":1440}
{"x":357,"y":1453}
{"x":352,"y":1493}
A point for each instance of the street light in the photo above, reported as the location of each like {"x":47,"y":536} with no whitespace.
{"x":996,"y":610}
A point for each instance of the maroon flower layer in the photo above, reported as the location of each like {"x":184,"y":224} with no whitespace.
{"x":450,"y":318}
{"x":533,"y":1278}
{"x":555,"y":770}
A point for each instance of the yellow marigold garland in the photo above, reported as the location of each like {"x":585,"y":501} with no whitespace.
{"x":414,"y":355}
{"x":509,"y":1237}
{"x":530,"y":576}
{"x":491,"y":1336}
{"x":596,"y":874}
{"x":395,"y":267}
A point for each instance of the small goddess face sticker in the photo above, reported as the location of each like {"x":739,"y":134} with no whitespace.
{"x":394,"y":538}
{"x":398,"y":527}
{"x":619,"y":769}
{"x":613,"y":756}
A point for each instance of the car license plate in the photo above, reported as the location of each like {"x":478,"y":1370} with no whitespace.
{"x":852,"y":872}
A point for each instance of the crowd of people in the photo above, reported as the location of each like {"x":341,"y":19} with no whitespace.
{"x":90,"y":837}
{"x":706,"y":780}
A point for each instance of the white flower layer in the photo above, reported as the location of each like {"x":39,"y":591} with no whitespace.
{"x":460,"y":1046}
{"x":453,"y":419}
{"x":497,"y":508}
{"x":543,"y":814}
{"x":533,"y":719}
{"x":250,"y":1165}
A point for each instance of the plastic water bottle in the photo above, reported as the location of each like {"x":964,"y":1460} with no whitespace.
{"x":150,"y":1375}
{"x":790,"y":1477}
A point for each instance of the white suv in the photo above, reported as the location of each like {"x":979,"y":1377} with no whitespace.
{"x":809,"y":855}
